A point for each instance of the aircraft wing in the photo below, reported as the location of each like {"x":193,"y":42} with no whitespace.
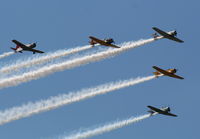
{"x":166,"y":35}
{"x":167,"y":73}
{"x":175,"y":39}
{"x":102,"y":42}
{"x":18,"y":43}
{"x":31,"y":49}
{"x":175,"y":76}
{"x":170,"y":114}
{"x":36,"y":51}
{"x":114,"y":46}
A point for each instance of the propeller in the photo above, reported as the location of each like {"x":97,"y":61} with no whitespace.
{"x":112,"y":40}
{"x":34,"y":44}
{"x":175,"y":32}
{"x":169,"y":109}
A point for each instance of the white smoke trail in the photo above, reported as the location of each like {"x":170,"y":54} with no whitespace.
{"x":42,"y":59}
{"x":106,"y":128}
{"x":6,"y":54}
{"x":31,"y":108}
{"x":33,"y":75}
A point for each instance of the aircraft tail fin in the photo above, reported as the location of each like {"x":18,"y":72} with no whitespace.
{"x":156,"y":74}
{"x":151,"y":112}
{"x":15,"y":49}
{"x":155,"y":35}
{"x":92,"y":42}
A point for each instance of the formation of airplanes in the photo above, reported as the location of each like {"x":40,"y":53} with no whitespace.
{"x":20,"y":47}
{"x":171,"y":35}
{"x":160,"y":72}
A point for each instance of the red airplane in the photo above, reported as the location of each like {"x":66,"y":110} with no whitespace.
{"x":25,"y":47}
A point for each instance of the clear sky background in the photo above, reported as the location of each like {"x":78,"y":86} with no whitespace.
{"x":68,"y":23}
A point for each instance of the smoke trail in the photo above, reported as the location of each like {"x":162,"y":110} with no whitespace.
{"x":106,"y":128}
{"x":31,"y":108}
{"x":41,"y":59}
{"x":28,"y":76}
{"x":6,"y":54}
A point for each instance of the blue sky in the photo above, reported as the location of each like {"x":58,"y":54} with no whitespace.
{"x":66,"y":24}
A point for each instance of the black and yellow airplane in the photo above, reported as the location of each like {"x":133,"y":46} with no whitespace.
{"x":106,"y":42}
{"x":164,"y":111}
{"x":169,"y":35}
{"x":168,"y":72}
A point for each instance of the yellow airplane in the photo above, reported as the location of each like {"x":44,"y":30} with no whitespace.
{"x":106,"y":42}
{"x":168,"y":72}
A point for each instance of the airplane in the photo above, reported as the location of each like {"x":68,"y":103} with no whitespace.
{"x":168,"y":72}
{"x":106,"y":42}
{"x":25,"y":47}
{"x":169,"y":35}
{"x":164,"y":111}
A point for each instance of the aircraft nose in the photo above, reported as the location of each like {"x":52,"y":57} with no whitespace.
{"x":175,"y":33}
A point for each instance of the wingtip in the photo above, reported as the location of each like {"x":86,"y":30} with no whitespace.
{"x":181,"y":78}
